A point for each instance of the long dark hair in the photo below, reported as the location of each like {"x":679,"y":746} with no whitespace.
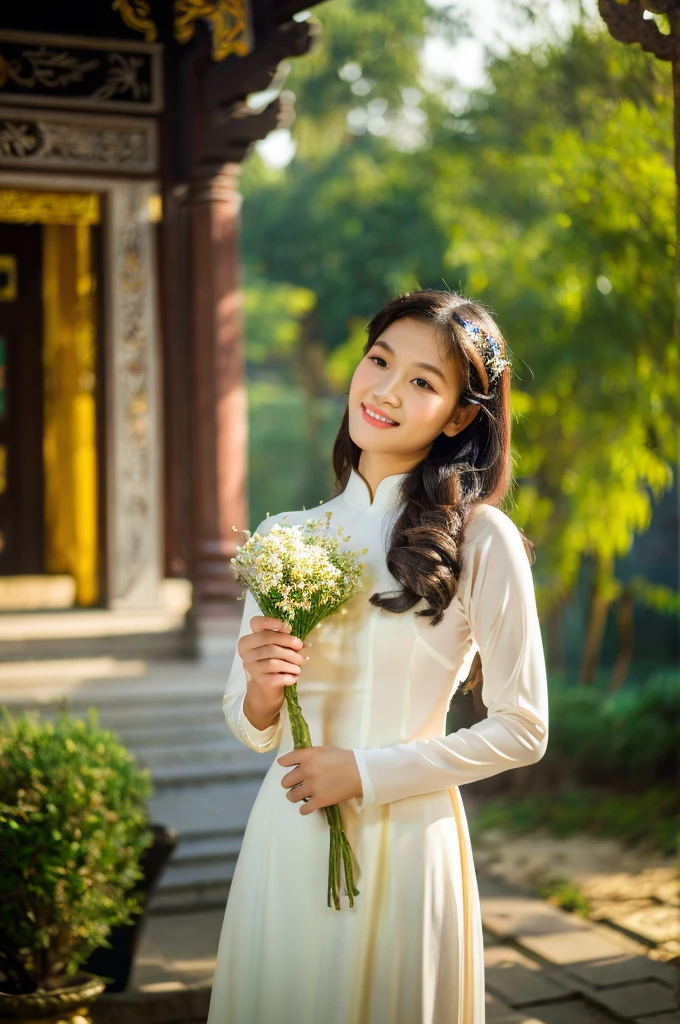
{"x":473,"y":467}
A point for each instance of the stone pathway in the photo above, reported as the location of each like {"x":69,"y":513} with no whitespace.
{"x":547,"y":966}
{"x":634,"y":889}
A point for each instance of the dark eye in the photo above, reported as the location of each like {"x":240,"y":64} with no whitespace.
{"x":415,"y":378}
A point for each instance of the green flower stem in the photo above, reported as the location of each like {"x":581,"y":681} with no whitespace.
{"x":340,"y":849}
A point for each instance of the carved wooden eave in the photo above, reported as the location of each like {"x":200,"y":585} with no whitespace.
{"x":228,"y":20}
{"x":627,"y":24}
{"x":222,"y":127}
{"x":232,"y":23}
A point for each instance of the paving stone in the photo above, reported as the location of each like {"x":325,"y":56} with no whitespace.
{"x":521,"y":981}
{"x":613,"y":910}
{"x":626,"y":968}
{"x":490,"y":939}
{"x":655,"y":924}
{"x":644,"y":997}
{"x":490,"y":885}
{"x":573,"y":1011}
{"x":199,"y":1001}
{"x":667,"y":952}
{"x":509,"y":916}
{"x":498,"y":1012}
{"x":660,"y":883}
{"x":575,"y":947}
{"x":660,"y":1018}
{"x":167,"y":1004}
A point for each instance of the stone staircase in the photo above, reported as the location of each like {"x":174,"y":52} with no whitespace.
{"x":163,"y":632}
{"x":169,"y":715}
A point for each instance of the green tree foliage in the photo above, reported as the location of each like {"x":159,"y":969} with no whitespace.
{"x":574,"y":245}
{"x":370,"y":53}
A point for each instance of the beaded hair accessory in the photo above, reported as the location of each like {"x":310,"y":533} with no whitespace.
{"x":488,"y":347}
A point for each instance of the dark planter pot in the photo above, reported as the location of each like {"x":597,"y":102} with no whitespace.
{"x":116,"y":961}
{"x":67,"y":1003}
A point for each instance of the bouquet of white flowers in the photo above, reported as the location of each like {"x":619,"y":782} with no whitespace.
{"x":300,"y":575}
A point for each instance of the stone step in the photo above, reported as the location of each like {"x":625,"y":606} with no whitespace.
{"x":179,"y":877}
{"x":210,"y":806}
{"x":206,"y":847}
{"x":212,"y":753}
{"x":189,"y":900}
{"x":180,"y":777}
{"x":150,"y":719}
{"x":162,"y":631}
{"x":112,"y":682}
{"x":126,"y":702}
{"x":199,"y":873}
{"x":166,"y":644}
{"x":175,"y":735}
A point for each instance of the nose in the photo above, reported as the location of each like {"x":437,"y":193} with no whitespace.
{"x":382,"y":400}
{"x":385,"y":393}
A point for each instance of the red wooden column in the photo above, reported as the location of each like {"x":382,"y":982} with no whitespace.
{"x":219,"y":130}
{"x":220,"y":411}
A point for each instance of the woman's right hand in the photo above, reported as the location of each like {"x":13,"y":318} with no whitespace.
{"x":272,"y":659}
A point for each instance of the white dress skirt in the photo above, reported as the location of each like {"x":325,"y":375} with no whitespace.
{"x":410,"y":951}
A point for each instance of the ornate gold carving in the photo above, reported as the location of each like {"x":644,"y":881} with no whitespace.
{"x":22,"y":206}
{"x":60,"y":140}
{"x":69,"y":71}
{"x":135,"y":13}
{"x":46,"y":66}
{"x":228,"y":21}
{"x":54,"y":69}
{"x":8,"y":292}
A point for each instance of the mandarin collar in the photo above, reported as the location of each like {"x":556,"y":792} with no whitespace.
{"x":357,"y":493}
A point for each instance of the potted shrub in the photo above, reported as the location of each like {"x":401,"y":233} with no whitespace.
{"x":114,"y":961}
{"x":73,"y":827}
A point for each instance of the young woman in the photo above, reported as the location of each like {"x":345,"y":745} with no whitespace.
{"x":422,"y":460}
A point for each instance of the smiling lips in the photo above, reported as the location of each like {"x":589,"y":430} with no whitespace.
{"x":372,"y":417}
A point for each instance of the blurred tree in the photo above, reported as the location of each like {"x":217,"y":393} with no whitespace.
{"x":573,"y":228}
{"x":656,"y":27}
{"x":369,"y":64}
{"x":549,"y":197}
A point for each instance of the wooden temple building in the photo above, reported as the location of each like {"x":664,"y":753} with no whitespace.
{"x":123,"y":416}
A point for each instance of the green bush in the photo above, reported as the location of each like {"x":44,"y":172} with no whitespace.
{"x":73,"y":825}
{"x":652,"y":816}
{"x":628,"y":740}
{"x":611,"y":768}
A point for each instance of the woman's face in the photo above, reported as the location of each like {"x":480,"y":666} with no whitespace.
{"x":422,"y":400}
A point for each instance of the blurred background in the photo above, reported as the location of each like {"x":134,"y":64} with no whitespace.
{"x":198,"y":217}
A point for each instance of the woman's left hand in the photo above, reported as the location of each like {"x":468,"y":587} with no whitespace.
{"x":328,"y":775}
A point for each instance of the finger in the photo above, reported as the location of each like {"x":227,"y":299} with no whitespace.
{"x":272,"y":667}
{"x":269,"y":643}
{"x":264,"y":646}
{"x":288,"y":654}
{"x":293,"y":778}
{"x":298,"y":792}
{"x":260,"y":622}
{"x":291,"y":757}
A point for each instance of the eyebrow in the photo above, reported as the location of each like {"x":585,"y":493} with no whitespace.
{"x":425,"y":366}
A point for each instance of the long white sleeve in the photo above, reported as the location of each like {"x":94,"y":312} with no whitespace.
{"x":261,"y":740}
{"x":497,"y":594}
